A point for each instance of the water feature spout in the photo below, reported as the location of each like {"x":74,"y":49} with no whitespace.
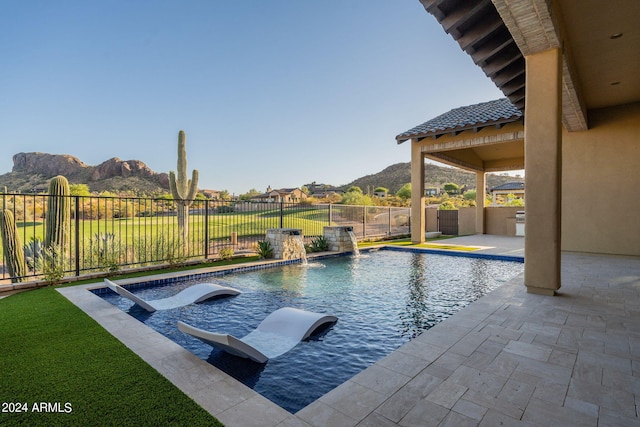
{"x":354,"y":242}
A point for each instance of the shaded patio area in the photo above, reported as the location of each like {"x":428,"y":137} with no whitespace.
{"x":510,"y":358}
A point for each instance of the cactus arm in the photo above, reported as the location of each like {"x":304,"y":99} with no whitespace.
{"x":193,"y":186}
{"x":173,"y":187}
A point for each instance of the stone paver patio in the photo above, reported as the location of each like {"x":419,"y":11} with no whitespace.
{"x":511,"y":358}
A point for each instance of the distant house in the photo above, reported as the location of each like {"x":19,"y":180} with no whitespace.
{"x":211,"y":194}
{"x":326,"y":195}
{"x":286,"y":195}
{"x":431,"y":191}
{"x":515,"y":188}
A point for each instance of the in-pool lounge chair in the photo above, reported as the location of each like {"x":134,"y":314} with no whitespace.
{"x":278,"y":333}
{"x":190,"y":295}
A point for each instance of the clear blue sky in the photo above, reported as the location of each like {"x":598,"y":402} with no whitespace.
{"x":278,"y":92}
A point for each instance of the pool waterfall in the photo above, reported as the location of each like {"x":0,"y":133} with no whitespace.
{"x":341,"y":239}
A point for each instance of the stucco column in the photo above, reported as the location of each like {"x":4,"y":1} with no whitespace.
{"x":543,"y":165}
{"x":481,"y":194}
{"x":417,"y":194}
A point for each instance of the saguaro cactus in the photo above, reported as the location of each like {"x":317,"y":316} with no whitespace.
{"x":183,"y":190}
{"x":58,"y":223}
{"x":12,"y":246}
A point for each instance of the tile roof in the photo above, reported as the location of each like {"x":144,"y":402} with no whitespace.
{"x":469,"y":117}
{"x":509,"y":186}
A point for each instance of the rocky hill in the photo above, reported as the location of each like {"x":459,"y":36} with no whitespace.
{"x":32,"y":171}
{"x":395,"y":176}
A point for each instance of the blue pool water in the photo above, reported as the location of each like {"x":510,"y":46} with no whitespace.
{"x":382,"y":300}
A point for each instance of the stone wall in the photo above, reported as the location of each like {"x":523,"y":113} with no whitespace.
{"x":286,"y":243}
{"x":339,"y":238}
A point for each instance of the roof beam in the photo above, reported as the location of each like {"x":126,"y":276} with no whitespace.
{"x":535,"y":27}
{"x":455,"y":20}
{"x":451,"y":161}
{"x":479,"y":32}
{"x":473,"y":140}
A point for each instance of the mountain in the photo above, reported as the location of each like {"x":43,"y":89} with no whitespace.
{"x":32,"y":172}
{"x":395,"y":176}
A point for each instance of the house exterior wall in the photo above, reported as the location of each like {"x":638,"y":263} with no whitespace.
{"x":466,"y":221}
{"x":501,"y":220}
{"x":600,"y":183}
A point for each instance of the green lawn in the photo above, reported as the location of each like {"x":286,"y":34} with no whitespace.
{"x":52,"y":352}
{"x":140,"y":229}
{"x":431,"y":244}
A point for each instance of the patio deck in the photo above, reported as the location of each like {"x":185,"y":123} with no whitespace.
{"x":511,"y":358}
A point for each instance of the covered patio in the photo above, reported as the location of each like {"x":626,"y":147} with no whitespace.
{"x":571,"y":118}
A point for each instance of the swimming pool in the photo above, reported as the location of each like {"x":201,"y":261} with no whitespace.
{"x":382,"y":300}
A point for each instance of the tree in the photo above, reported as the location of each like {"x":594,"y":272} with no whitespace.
{"x":381,"y":190}
{"x":451,"y":188}
{"x":224,"y":195}
{"x":404,"y":192}
{"x":469,"y":195}
{"x":512,"y":200}
{"x":250,"y":194}
{"x":356,"y":198}
{"x":447,"y":205}
{"x":81,"y":190}
{"x":354,"y":188}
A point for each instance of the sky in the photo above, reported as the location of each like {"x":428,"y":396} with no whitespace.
{"x":276,"y":93}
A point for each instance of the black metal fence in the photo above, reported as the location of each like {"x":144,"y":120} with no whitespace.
{"x":112,"y":233}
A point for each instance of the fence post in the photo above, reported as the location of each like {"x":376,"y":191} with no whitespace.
{"x":281,"y":214}
{"x":77,"y":227}
{"x":389,"y":210}
{"x":206,"y":229}
{"x":330,"y":214}
{"x":364,"y":222}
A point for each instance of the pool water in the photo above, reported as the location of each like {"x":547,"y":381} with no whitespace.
{"x":382,"y":300}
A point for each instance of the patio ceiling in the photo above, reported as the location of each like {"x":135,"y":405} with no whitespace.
{"x":601,"y":59}
{"x":601,"y":47}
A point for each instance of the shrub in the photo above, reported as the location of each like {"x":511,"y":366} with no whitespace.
{"x":319,"y":244}
{"x":52,"y":266}
{"x":264,"y":249}
{"x":226,"y":253}
{"x":33,"y":253}
{"x":106,"y":248}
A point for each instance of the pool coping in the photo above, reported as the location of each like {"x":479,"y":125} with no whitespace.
{"x":235,"y":404}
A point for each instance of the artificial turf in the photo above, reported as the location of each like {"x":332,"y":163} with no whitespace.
{"x":433,"y":244}
{"x":52,"y":353}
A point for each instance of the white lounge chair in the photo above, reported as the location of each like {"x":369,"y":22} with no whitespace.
{"x":190,"y":295}
{"x":278,"y":333}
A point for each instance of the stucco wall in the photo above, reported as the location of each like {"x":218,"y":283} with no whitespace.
{"x":501,"y":220}
{"x":431,"y":219}
{"x":600,"y":183}
{"x":466,"y":221}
